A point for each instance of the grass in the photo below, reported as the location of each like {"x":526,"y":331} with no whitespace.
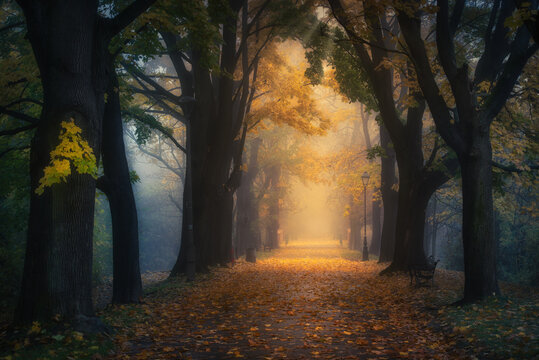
{"x":498,"y":327}
{"x":27,"y":344}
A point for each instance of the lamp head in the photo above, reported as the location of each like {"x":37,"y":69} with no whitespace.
{"x":365,"y":178}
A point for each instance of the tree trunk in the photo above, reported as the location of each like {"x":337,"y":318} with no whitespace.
{"x":227,"y":218}
{"x":273,"y":211}
{"x":242,"y":218}
{"x":434,"y":228}
{"x":116,"y":184}
{"x":247,"y":207}
{"x":274,"y":207}
{"x":198,"y":81}
{"x":355,"y":225}
{"x":389,"y":197}
{"x":186,"y":261}
{"x":57,"y":274}
{"x":375,"y":236}
{"x":478,"y":221}
{"x":218,"y":203}
{"x":413,"y":201}
{"x":376,"y":228}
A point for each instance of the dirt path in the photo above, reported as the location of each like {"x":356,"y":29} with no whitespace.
{"x":304,"y":302}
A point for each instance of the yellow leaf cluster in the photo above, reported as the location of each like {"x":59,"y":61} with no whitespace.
{"x":73,"y":150}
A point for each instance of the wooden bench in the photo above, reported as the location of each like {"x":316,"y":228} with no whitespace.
{"x":421,"y":274}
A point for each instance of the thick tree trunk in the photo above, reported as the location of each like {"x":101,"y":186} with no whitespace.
{"x":204,"y":110}
{"x":413,"y":201}
{"x":58,"y":264}
{"x":478,"y":221}
{"x":70,"y":43}
{"x":194,"y":238}
{"x":389,"y":197}
{"x":417,"y":183}
{"x":218,"y":204}
{"x":116,"y":184}
{"x":186,"y":260}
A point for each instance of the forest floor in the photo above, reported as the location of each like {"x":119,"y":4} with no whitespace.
{"x":308,"y":300}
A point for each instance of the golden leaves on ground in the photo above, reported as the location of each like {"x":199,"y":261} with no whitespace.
{"x":305,"y":302}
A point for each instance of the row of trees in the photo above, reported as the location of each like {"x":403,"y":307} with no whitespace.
{"x":84,"y":77}
{"x":215,"y":50}
{"x":385,"y":47}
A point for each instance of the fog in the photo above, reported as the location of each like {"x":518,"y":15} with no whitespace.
{"x":316,"y":198}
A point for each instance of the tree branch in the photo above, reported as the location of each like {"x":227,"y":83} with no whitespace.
{"x":511,"y":72}
{"x":17,"y":130}
{"x":411,"y":29}
{"x":11,"y":26}
{"x":161,"y":90}
{"x":176,"y":203}
{"x":161,"y":129}
{"x":458,"y":9}
{"x":23,"y":100}
{"x":18,"y":115}
{"x":128,"y":15}
{"x":24,"y":147}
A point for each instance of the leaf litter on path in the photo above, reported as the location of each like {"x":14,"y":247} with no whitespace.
{"x":304,"y":302}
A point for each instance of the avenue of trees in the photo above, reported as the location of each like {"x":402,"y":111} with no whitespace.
{"x":445,"y":122}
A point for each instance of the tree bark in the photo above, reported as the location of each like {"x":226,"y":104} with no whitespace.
{"x":69,"y":41}
{"x":478,"y":221}
{"x":355,"y":225}
{"x":247,"y":207}
{"x":376,"y":228}
{"x":434,"y":230}
{"x":389,"y":197}
{"x":57,"y":274}
{"x":273,"y":211}
{"x":116,"y":184}
{"x":375,"y":214}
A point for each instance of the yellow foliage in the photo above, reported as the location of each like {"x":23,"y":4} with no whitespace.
{"x":72,"y":150}
{"x":288,"y":96}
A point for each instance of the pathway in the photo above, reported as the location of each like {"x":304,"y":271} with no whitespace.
{"x":306,"y":301}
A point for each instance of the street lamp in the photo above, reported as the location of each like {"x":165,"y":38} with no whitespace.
{"x":365,"y":179}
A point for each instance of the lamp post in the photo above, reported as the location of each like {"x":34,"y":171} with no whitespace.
{"x":365,"y":179}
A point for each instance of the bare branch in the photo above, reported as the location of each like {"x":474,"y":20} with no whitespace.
{"x":17,"y":130}
{"x":161,"y":129}
{"x":18,"y":115}
{"x":24,"y":147}
{"x":128,"y":15}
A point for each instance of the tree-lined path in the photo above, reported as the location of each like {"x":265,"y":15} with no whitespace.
{"x":308,"y":300}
